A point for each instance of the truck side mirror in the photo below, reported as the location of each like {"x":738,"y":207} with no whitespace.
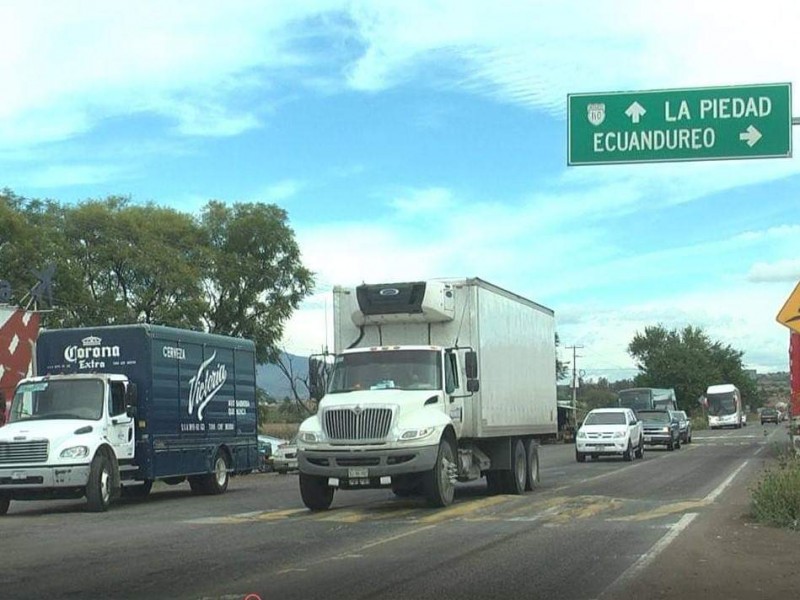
{"x":317,"y":369}
{"x":471,"y":364}
{"x":473,"y":385}
{"x":131,"y":399}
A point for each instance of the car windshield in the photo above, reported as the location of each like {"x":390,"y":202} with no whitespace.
{"x":654,"y":416}
{"x":386,"y":370}
{"x":74,"y":399}
{"x":605,"y":418}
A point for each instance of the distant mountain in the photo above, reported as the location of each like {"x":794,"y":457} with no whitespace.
{"x":270,"y":378}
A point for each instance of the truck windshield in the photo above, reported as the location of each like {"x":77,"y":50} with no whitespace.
{"x":77,"y":399}
{"x":721,"y":404}
{"x":386,"y":370}
{"x":636,"y":399}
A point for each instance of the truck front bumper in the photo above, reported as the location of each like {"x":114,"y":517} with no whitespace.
{"x":43,"y":478}
{"x":348,"y":463}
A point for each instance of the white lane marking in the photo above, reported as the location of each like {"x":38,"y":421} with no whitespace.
{"x":721,"y":487}
{"x":649,"y":556}
{"x":757,"y":452}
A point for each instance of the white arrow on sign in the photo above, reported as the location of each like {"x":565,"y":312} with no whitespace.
{"x":751,"y":136}
{"x":635,"y":111}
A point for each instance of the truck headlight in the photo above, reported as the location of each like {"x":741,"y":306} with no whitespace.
{"x":581,"y":433}
{"x":75,"y":452}
{"x":416,"y":434}
{"x":619,"y":434}
{"x":309,"y":437}
{"x":665,"y":429}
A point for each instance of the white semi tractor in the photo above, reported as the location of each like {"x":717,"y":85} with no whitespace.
{"x":432,"y":382}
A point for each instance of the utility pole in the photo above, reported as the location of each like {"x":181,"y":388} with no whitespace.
{"x":575,"y":358}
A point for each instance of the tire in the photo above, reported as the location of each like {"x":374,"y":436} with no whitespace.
{"x":627,"y":456}
{"x":315,"y":492}
{"x":678,"y":443}
{"x":516,"y":477}
{"x":98,"y":488}
{"x":671,"y":445}
{"x":640,"y":449}
{"x":137,"y":491}
{"x":437,"y":483}
{"x":580,"y":456}
{"x":5,"y":502}
{"x":532,"y":461}
{"x":196,"y":482}
{"x":217,"y":481}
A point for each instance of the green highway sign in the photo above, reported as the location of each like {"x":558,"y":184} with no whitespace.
{"x":752,"y":121}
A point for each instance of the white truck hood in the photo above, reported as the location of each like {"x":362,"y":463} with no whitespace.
{"x":50,"y":429}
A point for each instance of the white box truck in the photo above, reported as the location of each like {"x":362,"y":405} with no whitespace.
{"x":432,"y":382}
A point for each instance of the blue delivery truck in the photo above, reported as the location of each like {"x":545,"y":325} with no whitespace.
{"x":113,"y":409}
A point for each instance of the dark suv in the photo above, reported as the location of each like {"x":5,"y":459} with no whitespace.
{"x":661,"y":428}
{"x":770,"y":415}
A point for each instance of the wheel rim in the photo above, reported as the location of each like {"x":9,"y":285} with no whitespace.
{"x":446,"y":465}
{"x":105,"y":486}
{"x":534,"y":469}
{"x":519,"y":470}
{"x":220,"y":471}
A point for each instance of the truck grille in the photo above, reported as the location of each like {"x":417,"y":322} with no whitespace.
{"x":359,"y":425}
{"x":34,"y":451}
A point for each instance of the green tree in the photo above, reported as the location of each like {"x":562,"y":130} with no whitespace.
{"x":253,"y":276}
{"x":688,"y":360}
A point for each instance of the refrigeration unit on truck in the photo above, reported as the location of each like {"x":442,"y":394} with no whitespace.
{"x":432,"y":383}
{"x":112,"y":409}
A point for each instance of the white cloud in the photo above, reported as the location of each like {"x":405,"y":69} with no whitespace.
{"x":782,"y":270}
{"x":423,"y":202}
{"x":280,"y":191}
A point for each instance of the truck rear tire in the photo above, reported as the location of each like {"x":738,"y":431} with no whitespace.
{"x":437,"y":483}
{"x":532,"y":453}
{"x":627,"y":456}
{"x":516,"y":476}
{"x":216,"y":482}
{"x":5,"y":502}
{"x":98,"y":488}
{"x":315,"y":491}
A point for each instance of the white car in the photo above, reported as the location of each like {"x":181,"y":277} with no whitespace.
{"x":610,"y":431}
{"x":284,"y":459}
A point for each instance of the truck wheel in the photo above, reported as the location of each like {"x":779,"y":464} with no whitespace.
{"x":137,"y":491}
{"x":627,"y":456}
{"x":532,"y":453}
{"x":5,"y":502}
{"x":315,"y":491}
{"x":640,"y":449}
{"x":216,"y":482}
{"x":437,"y":483}
{"x":98,"y":489}
{"x":580,"y":456}
{"x":516,"y":476}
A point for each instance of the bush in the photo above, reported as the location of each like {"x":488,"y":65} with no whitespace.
{"x":699,"y":422}
{"x":776,"y":498}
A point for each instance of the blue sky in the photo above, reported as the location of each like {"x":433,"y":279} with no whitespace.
{"x":410,"y":140}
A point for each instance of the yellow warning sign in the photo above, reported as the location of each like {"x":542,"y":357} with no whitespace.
{"x":789,"y":315}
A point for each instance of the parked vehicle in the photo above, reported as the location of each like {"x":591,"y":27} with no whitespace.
{"x":405,"y":407}
{"x":284,"y":458}
{"x":724,"y":405}
{"x":684,"y":426}
{"x":610,"y":431}
{"x":660,"y":428}
{"x":770,"y":415}
{"x":115,"y":408}
{"x":647,"y":398}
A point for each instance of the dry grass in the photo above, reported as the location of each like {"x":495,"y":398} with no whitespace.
{"x":281,"y":430}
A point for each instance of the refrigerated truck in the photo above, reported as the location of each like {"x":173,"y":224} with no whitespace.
{"x":113,"y":409}
{"x":432,"y":382}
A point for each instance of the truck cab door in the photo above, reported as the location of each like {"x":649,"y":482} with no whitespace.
{"x":120,"y":423}
{"x":454,"y":395}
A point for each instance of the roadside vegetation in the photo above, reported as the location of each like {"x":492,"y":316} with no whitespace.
{"x":776,"y":497}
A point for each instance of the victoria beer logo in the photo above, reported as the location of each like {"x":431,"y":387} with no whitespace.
{"x":205,"y":384}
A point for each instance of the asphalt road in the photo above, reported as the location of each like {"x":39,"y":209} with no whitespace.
{"x":584,"y":533}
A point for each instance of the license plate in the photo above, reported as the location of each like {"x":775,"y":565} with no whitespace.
{"x":358,"y":473}
{"x":19,"y":475}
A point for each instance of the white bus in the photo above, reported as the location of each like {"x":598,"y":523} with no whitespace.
{"x":724,"y":405}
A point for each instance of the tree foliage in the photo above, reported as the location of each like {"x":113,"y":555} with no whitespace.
{"x":235,"y":270}
{"x":688,"y":360}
